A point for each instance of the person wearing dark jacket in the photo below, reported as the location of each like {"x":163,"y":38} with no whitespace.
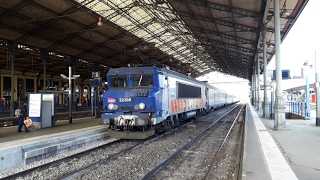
{"x":24,"y":115}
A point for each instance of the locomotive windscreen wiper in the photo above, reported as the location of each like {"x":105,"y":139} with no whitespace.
{"x":140,"y":79}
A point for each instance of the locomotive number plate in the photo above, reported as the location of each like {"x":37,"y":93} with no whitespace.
{"x":125,"y":99}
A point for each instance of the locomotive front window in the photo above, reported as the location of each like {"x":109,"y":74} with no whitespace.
{"x":118,"y":81}
{"x":142,"y":80}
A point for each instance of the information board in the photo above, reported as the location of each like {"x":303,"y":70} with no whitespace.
{"x":34,"y":105}
{"x":284,"y":73}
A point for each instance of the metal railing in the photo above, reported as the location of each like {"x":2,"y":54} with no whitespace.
{"x":299,"y":108}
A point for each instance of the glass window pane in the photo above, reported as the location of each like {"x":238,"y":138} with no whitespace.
{"x":142,"y":80}
{"x":118,"y":81}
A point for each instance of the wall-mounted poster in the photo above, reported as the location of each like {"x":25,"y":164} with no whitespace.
{"x":34,"y":105}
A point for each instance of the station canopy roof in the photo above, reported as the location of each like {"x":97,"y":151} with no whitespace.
{"x":189,"y":36}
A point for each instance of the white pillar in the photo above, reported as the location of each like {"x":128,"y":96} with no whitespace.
{"x":254,"y":87}
{"x":258,"y":84}
{"x":317,"y":91}
{"x":252,"y":90}
{"x":70,"y":97}
{"x":279,"y":107}
{"x":266,"y":103}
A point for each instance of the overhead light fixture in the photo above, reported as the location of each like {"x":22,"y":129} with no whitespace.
{"x":145,"y":46}
{"x":100,"y":23}
{"x":285,"y":13}
{"x":271,"y":46}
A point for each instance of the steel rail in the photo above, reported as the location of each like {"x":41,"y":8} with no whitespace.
{"x":105,"y":161}
{"x":47,"y":165}
{"x":217,"y":155}
{"x":174,"y":155}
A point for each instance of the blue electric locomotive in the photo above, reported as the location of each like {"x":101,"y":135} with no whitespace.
{"x":141,"y":101}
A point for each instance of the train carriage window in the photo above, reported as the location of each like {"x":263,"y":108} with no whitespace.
{"x":188,"y":91}
{"x":118,"y":81}
{"x":142,"y":80}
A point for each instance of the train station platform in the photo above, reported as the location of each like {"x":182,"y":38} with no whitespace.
{"x":291,"y":153}
{"x":8,"y":134}
{"x":25,"y":148}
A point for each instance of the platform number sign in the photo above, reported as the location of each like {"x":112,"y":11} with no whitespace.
{"x":20,"y":89}
{"x":95,"y":74}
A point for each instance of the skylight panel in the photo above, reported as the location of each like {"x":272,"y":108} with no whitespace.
{"x":148,"y":20}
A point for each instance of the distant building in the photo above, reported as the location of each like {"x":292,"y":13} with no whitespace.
{"x":306,"y":71}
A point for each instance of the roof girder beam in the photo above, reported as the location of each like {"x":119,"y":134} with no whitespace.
{"x":206,"y":34}
{"x":192,"y":28}
{"x":236,"y":54}
{"x":56,"y":44}
{"x":15,"y":8}
{"x":219,"y":7}
{"x":193,"y":16}
{"x":226,"y":44}
{"x":101,"y":45}
{"x":244,"y":41}
{"x":47,"y":23}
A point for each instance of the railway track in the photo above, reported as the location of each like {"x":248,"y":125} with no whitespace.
{"x":195,"y":160}
{"x":26,"y":172}
{"x":125,"y":159}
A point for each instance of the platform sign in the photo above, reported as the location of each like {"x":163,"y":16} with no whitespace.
{"x":284,"y":73}
{"x":35,"y":105}
{"x":94,"y":82}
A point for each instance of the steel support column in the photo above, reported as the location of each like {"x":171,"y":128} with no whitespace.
{"x":266,"y":103}
{"x":254,"y":87}
{"x":69,"y":96}
{"x":252,"y":90}
{"x":307,"y":94}
{"x":74,"y":98}
{"x":12,"y":48}
{"x":317,"y":91}
{"x":44,"y":56}
{"x":258,"y":84}
{"x":272,"y":99}
{"x":279,"y":107}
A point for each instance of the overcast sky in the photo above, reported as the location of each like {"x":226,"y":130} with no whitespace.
{"x":302,"y":41}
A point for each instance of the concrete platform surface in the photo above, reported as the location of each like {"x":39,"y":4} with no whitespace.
{"x":291,"y":153}
{"x":19,"y":149}
{"x":11,"y":133}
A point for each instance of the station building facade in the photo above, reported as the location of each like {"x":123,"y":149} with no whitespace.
{"x":34,"y":83}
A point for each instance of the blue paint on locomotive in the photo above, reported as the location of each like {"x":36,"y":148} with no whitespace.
{"x":142,"y":96}
{"x":143,"y":100}
{"x":129,"y":96}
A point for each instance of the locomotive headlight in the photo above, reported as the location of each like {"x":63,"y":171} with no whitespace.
{"x":142,"y":106}
{"x":112,"y":107}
